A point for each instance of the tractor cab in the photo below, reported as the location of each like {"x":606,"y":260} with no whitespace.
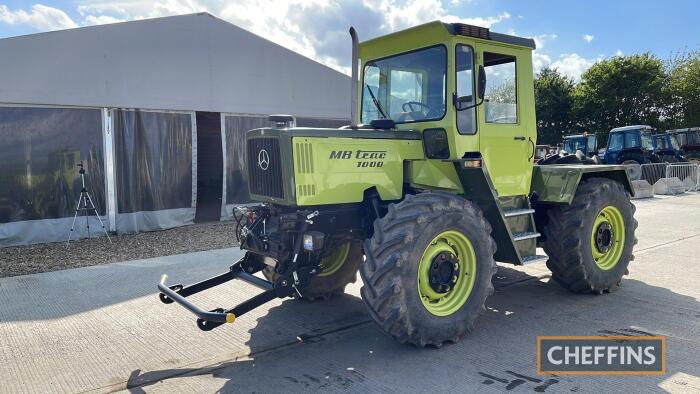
{"x":631,"y":145}
{"x":586,"y":143}
{"x":668,"y":149}
{"x":689,"y":141}
{"x":465,"y":89}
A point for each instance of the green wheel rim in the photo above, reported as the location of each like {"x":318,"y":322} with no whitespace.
{"x":331,"y":263}
{"x":612,"y":217}
{"x":445,"y":304}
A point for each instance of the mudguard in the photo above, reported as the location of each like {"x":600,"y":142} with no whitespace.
{"x":557,"y":184}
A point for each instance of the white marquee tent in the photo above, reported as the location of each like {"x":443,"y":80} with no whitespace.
{"x":157,"y":109}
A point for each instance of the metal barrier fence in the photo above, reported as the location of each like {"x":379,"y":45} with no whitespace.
{"x":653,"y":172}
{"x":669,"y":178}
{"x":686,"y":173}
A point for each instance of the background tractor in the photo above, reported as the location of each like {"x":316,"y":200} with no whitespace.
{"x":667,"y":148}
{"x":631,"y":145}
{"x":586,"y":143}
{"x":689,"y":141}
{"x":431,"y":184}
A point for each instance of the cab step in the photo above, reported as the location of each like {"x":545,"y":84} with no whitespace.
{"x":518,"y":212}
{"x":525,"y":235}
{"x":534,"y":259}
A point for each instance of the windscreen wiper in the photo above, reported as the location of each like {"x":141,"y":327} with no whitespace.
{"x":376,"y":103}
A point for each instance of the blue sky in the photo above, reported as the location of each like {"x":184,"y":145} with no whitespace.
{"x":571,"y":35}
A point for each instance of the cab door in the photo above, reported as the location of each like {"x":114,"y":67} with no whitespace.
{"x":507,"y":127}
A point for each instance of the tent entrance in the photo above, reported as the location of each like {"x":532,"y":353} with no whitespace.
{"x":209,"y":167}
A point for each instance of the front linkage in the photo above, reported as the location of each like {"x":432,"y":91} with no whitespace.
{"x":266,"y":237}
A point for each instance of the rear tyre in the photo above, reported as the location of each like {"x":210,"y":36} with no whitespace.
{"x":339,"y":265}
{"x":589,"y":243}
{"x":428,"y":268}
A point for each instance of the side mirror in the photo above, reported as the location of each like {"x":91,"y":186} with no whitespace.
{"x":481,"y":82}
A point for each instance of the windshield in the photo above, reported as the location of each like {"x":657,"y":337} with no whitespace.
{"x":646,"y":139}
{"x":660,"y":142}
{"x":674,"y":142}
{"x":666,"y":142}
{"x":406,"y":88}
{"x":693,"y":137}
{"x":571,"y":145}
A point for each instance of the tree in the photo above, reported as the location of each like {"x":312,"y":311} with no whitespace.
{"x":683,"y":91}
{"x":553,"y":103}
{"x":620,"y":91}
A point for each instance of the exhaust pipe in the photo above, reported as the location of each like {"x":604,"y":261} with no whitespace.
{"x":354,"y":76}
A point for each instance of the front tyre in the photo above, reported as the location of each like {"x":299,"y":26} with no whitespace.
{"x":428,"y":268}
{"x":338,"y":268}
{"x":590,"y":242}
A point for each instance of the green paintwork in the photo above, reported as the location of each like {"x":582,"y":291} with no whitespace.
{"x":338,"y":181}
{"x":609,"y":259}
{"x":331,"y":263}
{"x":343,"y":180}
{"x":445,"y":304}
{"x":434,"y":174}
{"x":509,"y":160}
{"x":558,"y":183}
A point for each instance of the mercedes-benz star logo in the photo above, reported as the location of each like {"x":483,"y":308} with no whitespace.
{"x":263,"y":160}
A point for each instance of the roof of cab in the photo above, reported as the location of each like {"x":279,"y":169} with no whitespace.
{"x":633,"y":127}
{"x":469,"y":31}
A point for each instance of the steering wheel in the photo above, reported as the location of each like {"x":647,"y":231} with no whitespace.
{"x":408,"y":107}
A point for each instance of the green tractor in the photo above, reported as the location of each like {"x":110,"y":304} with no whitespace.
{"x":431,"y":184}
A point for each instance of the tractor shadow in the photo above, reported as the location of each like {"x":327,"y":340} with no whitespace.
{"x":522,"y":303}
{"x":293,"y":323}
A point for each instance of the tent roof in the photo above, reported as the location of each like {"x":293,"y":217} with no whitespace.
{"x":187,"y":62}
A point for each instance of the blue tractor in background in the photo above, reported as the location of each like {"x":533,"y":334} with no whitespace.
{"x":586,"y":143}
{"x":667,"y":148}
{"x":631,"y":145}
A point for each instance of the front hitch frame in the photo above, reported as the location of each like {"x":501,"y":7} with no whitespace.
{"x":294,"y":279}
{"x":208,"y":320}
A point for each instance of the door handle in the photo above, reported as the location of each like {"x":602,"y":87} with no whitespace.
{"x":520,"y":137}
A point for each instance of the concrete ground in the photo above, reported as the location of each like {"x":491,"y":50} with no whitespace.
{"x":102,"y":329}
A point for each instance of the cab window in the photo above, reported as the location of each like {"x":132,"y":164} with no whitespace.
{"x":616,"y":142}
{"x":409,"y":87}
{"x":674,"y":142}
{"x":647,"y":142}
{"x":660,"y":142}
{"x":592,"y":143}
{"x":466,"y":118}
{"x":682,"y":139}
{"x":500,"y":101}
{"x":631,"y":140}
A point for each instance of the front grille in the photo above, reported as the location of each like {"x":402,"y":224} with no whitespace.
{"x":265,"y":179}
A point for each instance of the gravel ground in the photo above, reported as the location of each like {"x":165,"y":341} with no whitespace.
{"x":30,"y":259}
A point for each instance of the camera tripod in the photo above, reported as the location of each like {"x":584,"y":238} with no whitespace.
{"x":86,"y":209}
